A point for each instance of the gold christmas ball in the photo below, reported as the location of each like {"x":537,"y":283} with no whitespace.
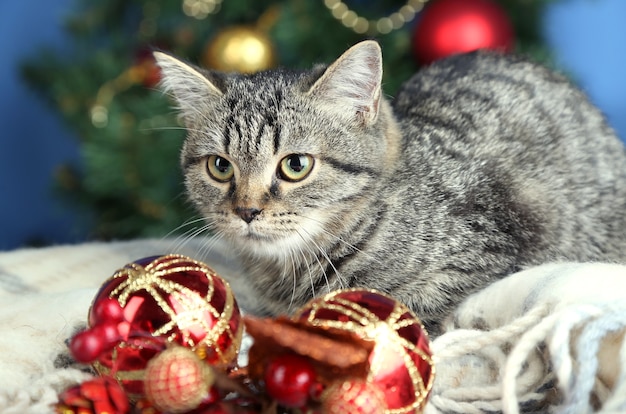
{"x":243,"y":49}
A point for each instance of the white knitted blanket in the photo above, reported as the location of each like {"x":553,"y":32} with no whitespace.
{"x":549,"y":339}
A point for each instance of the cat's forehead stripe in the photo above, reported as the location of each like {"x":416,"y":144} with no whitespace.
{"x":252,"y":116}
{"x":277,"y":133}
{"x":228,"y":128}
{"x":278,"y":101}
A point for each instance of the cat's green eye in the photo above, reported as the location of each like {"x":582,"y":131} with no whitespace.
{"x":295,"y":167}
{"x":220,"y":169}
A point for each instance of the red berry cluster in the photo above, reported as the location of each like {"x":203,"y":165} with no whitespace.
{"x":108,"y":328}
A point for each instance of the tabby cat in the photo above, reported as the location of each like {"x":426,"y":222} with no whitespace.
{"x":482,"y":165}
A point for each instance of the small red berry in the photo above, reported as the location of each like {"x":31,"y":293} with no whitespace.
{"x":106,"y":310}
{"x":288,"y":379}
{"x":86,"y":346}
{"x":109,"y":333}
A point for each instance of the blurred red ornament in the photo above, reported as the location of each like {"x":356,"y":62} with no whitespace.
{"x":96,"y":396}
{"x":177,"y":380}
{"x":353,"y":397}
{"x":166,"y":299}
{"x":151,"y":74}
{"x":448,"y":27}
{"x":145,"y":69}
{"x":401,"y":364}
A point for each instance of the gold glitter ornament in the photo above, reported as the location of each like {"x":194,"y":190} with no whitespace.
{"x":245,"y":49}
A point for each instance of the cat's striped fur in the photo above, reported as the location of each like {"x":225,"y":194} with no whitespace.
{"x":482,"y":165}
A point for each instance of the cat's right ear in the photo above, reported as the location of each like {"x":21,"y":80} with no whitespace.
{"x":192,"y":91}
{"x":352,"y":84}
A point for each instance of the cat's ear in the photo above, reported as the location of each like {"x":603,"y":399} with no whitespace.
{"x":354,"y":82}
{"x":191,"y":89}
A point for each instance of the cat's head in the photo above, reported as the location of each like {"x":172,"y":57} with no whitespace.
{"x":276,"y":159}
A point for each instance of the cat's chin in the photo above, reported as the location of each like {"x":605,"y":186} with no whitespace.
{"x":269,"y":246}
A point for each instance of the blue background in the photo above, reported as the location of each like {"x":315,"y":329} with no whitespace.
{"x":588,"y":38}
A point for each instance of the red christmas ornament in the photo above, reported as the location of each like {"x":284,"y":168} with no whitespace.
{"x":146,"y":69}
{"x":168,"y":299}
{"x":353,"y":397}
{"x":448,"y":27}
{"x":177,"y":381}
{"x":401,"y":366}
{"x":289,"y":379}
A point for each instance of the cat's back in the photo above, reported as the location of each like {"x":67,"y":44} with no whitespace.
{"x":493,"y":131}
{"x":497,"y":102}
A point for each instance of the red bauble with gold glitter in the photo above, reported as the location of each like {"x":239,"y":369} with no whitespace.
{"x":166,"y":300}
{"x":448,"y":27}
{"x":401,"y":365}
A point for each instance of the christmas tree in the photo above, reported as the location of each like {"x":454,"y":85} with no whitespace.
{"x":105,"y":89}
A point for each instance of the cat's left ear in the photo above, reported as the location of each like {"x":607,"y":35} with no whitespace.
{"x":193,"y":91}
{"x":354,"y":82}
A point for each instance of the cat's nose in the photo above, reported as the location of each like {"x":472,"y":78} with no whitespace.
{"x":247,"y":214}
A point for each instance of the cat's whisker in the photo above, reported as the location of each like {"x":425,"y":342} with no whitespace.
{"x":188,"y":222}
{"x":189,"y":235}
{"x":183,"y":238}
{"x":375,"y":259}
{"x":210,"y":243}
{"x":294,"y":277}
{"x":308,"y":265}
{"x":330,"y":262}
{"x":283,"y":263}
{"x":312,"y":252}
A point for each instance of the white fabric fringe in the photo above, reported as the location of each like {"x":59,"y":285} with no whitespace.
{"x":549,"y":339}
